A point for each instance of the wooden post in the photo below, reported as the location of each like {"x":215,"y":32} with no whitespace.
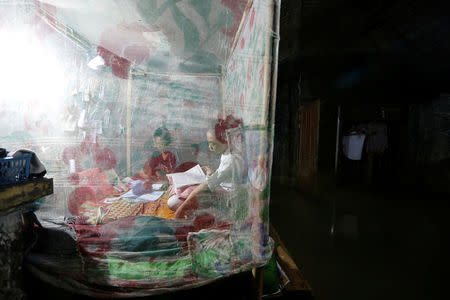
{"x":258,"y":282}
{"x":298,"y":286}
{"x":128,"y":132}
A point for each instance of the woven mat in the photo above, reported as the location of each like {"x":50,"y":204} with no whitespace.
{"x":159,"y":208}
{"x":122,"y":208}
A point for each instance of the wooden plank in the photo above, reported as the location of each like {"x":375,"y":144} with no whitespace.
{"x":14,"y":196}
{"x":258,"y":282}
{"x":309,"y":146}
{"x":297,"y":283}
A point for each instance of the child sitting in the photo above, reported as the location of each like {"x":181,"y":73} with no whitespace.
{"x":230,"y":168}
{"x":162,"y":161}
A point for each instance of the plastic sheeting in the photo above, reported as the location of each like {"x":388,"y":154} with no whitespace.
{"x":114,"y":95}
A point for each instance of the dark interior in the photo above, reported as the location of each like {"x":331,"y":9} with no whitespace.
{"x":359,"y":231}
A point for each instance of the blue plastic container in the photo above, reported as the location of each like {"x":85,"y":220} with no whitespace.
{"x":14,"y":169}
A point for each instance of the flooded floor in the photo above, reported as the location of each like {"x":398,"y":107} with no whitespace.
{"x":387,"y":244}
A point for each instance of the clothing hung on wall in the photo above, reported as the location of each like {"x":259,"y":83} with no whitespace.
{"x":353,"y":146}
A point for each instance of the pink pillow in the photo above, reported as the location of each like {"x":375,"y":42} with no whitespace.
{"x":185,"y":191}
{"x":182,"y":192}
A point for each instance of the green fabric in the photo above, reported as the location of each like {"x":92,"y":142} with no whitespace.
{"x":205,"y":263}
{"x":143,"y":270}
{"x":211,"y":253}
{"x":271,"y":278}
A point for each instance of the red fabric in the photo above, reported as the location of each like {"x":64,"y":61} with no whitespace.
{"x":204,"y":221}
{"x":223,"y":124}
{"x":118,"y":64}
{"x":237,"y":8}
{"x":105,"y":159}
{"x":95,"y":241}
{"x":158,"y":163}
{"x":182,"y":232}
{"x":97,"y":182}
{"x":78,"y":197}
{"x":185,"y":166}
{"x":93,"y":186}
{"x":89,"y":149}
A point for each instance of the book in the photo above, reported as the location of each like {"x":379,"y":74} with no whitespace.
{"x":192,"y":176}
{"x":148,"y":196}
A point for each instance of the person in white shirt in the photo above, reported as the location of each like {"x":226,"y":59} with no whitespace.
{"x":230,"y":168}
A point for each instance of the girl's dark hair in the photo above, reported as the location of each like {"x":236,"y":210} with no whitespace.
{"x":223,"y":124}
{"x":163,"y":133}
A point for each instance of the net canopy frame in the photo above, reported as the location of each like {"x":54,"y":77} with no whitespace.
{"x":113,"y":97}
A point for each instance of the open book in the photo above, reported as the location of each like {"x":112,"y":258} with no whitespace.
{"x":149,"y":196}
{"x":192,"y":176}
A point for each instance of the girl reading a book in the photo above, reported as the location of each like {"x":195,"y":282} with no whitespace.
{"x":220,"y":180}
{"x":162,"y":160}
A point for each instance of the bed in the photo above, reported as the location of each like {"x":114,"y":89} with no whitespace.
{"x":97,"y":90}
{"x":123,"y":248}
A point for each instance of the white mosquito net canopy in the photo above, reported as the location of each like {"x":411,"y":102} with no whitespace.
{"x":155,"y":120}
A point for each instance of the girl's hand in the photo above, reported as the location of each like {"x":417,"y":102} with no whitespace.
{"x":190,"y":204}
{"x":207,"y":170}
{"x":179,"y":213}
{"x":184,"y":208}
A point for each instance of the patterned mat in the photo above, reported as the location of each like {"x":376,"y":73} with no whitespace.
{"x":100,"y":214}
{"x":159,"y":208}
{"x":120,"y":209}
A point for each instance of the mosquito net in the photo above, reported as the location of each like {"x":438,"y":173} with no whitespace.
{"x":155,"y":120}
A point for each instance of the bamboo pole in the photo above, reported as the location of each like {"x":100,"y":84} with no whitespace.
{"x":128,"y":134}
{"x":222,"y":81}
{"x":239,"y":31}
{"x":145,"y":73}
{"x":267,"y":67}
{"x":269,"y":92}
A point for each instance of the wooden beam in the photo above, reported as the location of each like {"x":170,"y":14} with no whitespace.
{"x":297,"y":286}
{"x":14,"y":196}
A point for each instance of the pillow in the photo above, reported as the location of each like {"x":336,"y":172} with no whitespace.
{"x":97,"y":182}
{"x":182,"y":192}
